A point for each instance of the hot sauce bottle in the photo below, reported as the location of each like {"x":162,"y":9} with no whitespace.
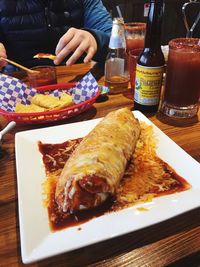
{"x":150,"y":64}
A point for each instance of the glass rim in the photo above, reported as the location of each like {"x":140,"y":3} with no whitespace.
{"x":42,"y":66}
{"x":181,"y":43}
{"x":42,"y":70}
{"x":132,"y":26}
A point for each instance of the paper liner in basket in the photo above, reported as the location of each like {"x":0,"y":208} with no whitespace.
{"x":13,"y":91}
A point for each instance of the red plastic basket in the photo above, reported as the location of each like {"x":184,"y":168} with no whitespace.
{"x":53,"y":115}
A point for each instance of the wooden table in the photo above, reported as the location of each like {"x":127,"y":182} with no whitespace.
{"x":175,"y":241}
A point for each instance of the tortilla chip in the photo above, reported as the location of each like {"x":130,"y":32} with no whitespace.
{"x":66,"y":100}
{"x":20,"y":108}
{"x":52,"y":102}
{"x":46,"y":101}
{"x":40,"y":103}
{"x":45,"y":55}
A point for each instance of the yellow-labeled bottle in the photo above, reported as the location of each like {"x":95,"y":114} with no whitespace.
{"x":150,"y":64}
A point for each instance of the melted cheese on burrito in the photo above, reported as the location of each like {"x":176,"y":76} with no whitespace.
{"x":96,"y":167}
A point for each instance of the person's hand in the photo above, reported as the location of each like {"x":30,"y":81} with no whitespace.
{"x":2,"y":54}
{"x":77,"y":42}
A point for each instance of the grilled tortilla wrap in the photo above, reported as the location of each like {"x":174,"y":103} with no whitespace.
{"x":95,"y":168}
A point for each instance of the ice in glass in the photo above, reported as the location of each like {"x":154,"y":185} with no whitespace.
{"x":135,"y":34}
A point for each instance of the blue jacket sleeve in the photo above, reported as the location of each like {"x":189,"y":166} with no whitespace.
{"x":98,"y":22}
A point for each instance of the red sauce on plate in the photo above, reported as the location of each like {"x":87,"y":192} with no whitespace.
{"x":55,"y":155}
{"x":54,"y":158}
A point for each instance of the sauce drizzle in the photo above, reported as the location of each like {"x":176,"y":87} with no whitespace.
{"x":54,"y":159}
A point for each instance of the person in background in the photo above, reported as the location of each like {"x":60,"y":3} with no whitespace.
{"x":70,"y":29}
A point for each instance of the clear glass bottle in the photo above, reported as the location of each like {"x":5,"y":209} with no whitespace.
{"x":116,"y":65}
{"x":150,"y":64}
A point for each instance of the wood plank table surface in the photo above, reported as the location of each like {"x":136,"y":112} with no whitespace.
{"x":175,"y":242}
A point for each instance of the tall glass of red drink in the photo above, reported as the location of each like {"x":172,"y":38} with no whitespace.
{"x":182,"y":87}
{"x":135,"y":34}
{"x":133,"y":57}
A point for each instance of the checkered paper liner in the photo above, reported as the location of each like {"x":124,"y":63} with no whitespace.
{"x":13,"y":91}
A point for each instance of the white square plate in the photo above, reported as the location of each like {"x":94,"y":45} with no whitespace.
{"x":38,"y":242}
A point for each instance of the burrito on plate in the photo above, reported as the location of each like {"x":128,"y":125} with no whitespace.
{"x":96,"y":166}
